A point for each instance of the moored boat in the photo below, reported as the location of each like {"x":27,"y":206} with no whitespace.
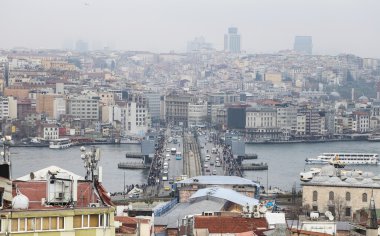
{"x":345,"y":158}
{"x":61,"y":143}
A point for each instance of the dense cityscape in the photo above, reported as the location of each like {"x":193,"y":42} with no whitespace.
{"x":191,"y":123}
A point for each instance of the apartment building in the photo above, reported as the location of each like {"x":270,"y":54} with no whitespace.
{"x":84,"y":108}
{"x":287,"y":117}
{"x":197,"y":115}
{"x":8,"y":108}
{"x":177,"y":108}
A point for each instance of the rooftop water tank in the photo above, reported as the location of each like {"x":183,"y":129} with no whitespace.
{"x":20,"y":202}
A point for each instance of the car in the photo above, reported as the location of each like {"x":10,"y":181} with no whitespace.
{"x":205,"y":166}
{"x":167,"y":188}
{"x":217,"y":164}
{"x":165,"y":171}
{"x":168,"y":150}
{"x":211,"y":163}
{"x":171,"y":181}
{"x":214,"y":172}
{"x":178,"y":178}
{"x":207,"y":170}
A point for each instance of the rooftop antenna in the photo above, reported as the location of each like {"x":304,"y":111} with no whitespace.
{"x":91,"y":160}
{"x":5,"y":158}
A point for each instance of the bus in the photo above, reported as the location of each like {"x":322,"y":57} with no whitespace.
{"x":173,"y":151}
{"x":178,"y":156}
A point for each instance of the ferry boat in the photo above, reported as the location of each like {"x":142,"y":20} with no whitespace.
{"x":61,"y":143}
{"x":345,"y":158}
{"x":124,"y":140}
{"x":374,"y":138}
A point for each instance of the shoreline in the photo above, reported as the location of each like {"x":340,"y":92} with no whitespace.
{"x":76,"y":144}
{"x":308,"y":141}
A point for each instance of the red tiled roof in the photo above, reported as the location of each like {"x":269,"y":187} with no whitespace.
{"x":229,"y":224}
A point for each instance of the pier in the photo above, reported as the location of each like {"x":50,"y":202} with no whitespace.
{"x":250,"y":156}
{"x":254,"y":166}
{"x":134,"y":155}
{"x":131,"y":165}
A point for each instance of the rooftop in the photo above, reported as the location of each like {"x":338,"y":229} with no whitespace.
{"x":219,"y":180}
{"x":226,"y":194}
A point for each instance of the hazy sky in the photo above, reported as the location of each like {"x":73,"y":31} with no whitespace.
{"x":351,"y":26}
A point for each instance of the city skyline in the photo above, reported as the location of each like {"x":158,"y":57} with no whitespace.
{"x":266,"y":27}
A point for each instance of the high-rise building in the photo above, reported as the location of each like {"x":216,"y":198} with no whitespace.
{"x":81,"y":46}
{"x":232,"y":40}
{"x":303,"y":44}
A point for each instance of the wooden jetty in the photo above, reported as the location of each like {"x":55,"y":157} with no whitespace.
{"x":254,"y":166}
{"x":131,"y":165}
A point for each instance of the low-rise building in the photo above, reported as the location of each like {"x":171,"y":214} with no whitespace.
{"x":341,"y":194}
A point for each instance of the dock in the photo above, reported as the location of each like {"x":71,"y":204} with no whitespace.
{"x":254,"y":166}
{"x":130,"y":165}
{"x":134,"y":155}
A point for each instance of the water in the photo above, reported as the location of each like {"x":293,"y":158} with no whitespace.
{"x":25,"y":160}
{"x":285,"y":161}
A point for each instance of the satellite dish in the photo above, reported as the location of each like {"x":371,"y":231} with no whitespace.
{"x":331,"y":218}
{"x":328,"y":214}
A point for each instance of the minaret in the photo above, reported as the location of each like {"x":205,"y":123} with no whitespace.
{"x":372,"y":226}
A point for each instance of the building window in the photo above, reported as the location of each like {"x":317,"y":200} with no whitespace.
{"x":348,"y":211}
{"x":348,"y":196}
{"x":331,"y":196}
{"x":364,"y":197}
{"x":315,"y":196}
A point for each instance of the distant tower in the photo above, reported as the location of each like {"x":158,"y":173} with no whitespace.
{"x":372,"y":226}
{"x":303,"y":44}
{"x":232,"y":40}
{"x":6,"y":74}
{"x":353,"y":94}
{"x":378,"y":91}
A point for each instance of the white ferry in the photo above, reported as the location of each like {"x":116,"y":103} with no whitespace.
{"x":374,"y":137}
{"x":61,"y":143}
{"x":345,"y":158}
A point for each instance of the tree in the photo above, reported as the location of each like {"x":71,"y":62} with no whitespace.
{"x":340,"y":206}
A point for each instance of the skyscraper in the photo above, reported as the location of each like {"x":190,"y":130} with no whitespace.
{"x":303,"y":44}
{"x":81,"y":46}
{"x":232,"y":40}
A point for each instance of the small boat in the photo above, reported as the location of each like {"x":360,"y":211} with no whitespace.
{"x":61,"y":143}
{"x":124,"y":140}
{"x":345,"y":159}
{"x":374,"y":138}
{"x":308,"y":175}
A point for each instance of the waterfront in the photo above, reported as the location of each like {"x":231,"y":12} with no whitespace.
{"x":26,"y":160}
{"x":285,"y":161}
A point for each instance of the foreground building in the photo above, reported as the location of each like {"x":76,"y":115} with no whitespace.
{"x":54,"y":201}
{"x":342,"y":194}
